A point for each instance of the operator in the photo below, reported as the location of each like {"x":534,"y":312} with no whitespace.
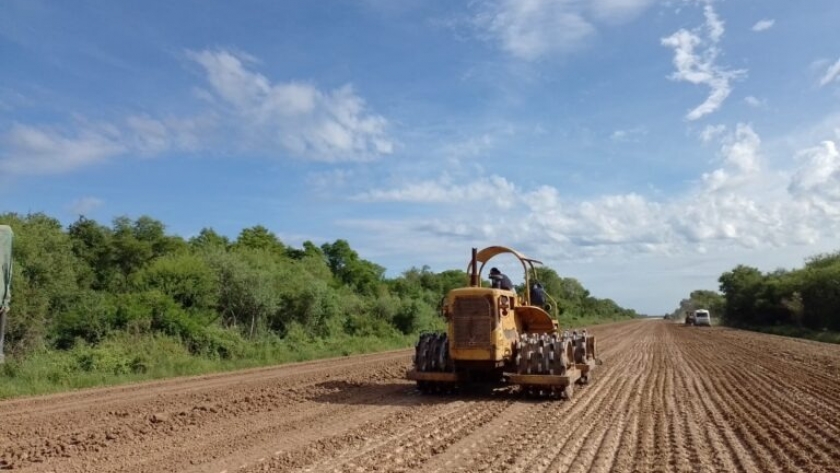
{"x":537,"y":295}
{"x":500,"y":280}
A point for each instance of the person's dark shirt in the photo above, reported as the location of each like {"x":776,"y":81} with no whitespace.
{"x":501,"y":281}
{"x":537,"y":296}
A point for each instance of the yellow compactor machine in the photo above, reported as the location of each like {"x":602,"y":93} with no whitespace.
{"x":497,"y":336}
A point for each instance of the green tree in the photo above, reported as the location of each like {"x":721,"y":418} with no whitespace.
{"x":351,"y":270}
{"x":741,"y":288}
{"x":260,"y":238}
{"x":92,"y":243}
{"x":187,"y":278}
{"x":45,"y":279}
{"x":207,"y":238}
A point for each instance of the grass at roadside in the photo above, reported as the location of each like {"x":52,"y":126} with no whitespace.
{"x":796,"y":332}
{"x":125,"y":358}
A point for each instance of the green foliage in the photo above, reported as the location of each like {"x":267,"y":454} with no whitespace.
{"x":802,"y":300}
{"x":95,"y":303}
{"x":186,"y":278}
{"x":45,"y":279}
{"x":92,"y":244}
{"x":91,"y":318}
{"x":351,"y":270}
{"x":701,"y":299}
{"x":574,"y":302}
{"x":259,"y":238}
{"x":207,"y":238}
{"x":820,"y":296}
{"x":247,"y":288}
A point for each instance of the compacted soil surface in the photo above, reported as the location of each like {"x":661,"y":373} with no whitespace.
{"x":666,"y":398}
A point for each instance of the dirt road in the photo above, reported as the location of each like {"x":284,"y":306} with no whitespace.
{"x":667,"y":398}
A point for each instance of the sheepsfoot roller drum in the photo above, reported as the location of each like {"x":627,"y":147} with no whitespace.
{"x":551,"y":363}
{"x":497,"y":337}
{"x":433,"y":369}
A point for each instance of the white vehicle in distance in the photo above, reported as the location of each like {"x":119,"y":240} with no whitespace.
{"x":702,"y":317}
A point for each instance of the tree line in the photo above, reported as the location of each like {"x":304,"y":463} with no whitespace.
{"x":89,"y":283}
{"x":807,"y":297}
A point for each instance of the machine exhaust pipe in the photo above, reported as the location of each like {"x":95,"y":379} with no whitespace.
{"x":474,"y":268}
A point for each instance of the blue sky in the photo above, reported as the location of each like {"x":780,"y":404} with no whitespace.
{"x":641,"y":146}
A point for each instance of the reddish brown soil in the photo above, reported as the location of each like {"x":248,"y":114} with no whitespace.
{"x":667,"y":398}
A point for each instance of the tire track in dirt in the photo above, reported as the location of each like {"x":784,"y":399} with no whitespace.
{"x":428,"y":429}
{"x":703,"y":411}
{"x":776,"y":445}
{"x":628,"y":399}
{"x":572,"y":421}
{"x":581,"y":453}
{"x":787,"y":442}
{"x":459,"y":453}
{"x":667,"y":398}
{"x":255,"y":437}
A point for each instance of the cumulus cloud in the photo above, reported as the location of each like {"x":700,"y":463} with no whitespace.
{"x":695,"y":59}
{"x":739,"y":203}
{"x":249,"y":109}
{"x":533,"y":29}
{"x":763,"y":25}
{"x":817,"y":180}
{"x":712,"y":132}
{"x":320,"y":125}
{"x":831,"y":74}
{"x":42,"y":150}
{"x":742,"y":149}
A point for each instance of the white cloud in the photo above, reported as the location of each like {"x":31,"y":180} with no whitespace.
{"x":252,"y":111}
{"x":763,"y":25}
{"x":493,"y":189}
{"x":323,"y":126}
{"x":754,"y":101}
{"x":831,"y":74}
{"x":618,"y":10}
{"x":713,"y":23}
{"x":150,"y":136}
{"x":632,"y":134}
{"x":741,"y":162}
{"x":85,"y":205}
{"x":32,"y":150}
{"x":325,"y":182}
{"x":48,"y":150}
{"x":817,"y":180}
{"x":712,"y":132}
{"x":695,"y":58}
{"x":742,"y":149}
{"x":533,"y":29}
{"x":741,"y":203}
{"x":469,"y":148}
